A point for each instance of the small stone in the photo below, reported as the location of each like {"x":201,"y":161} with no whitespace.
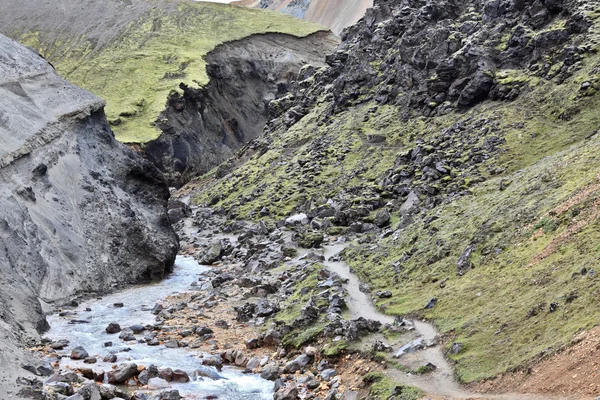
{"x":157,"y":383}
{"x":311,"y":351}
{"x":79,"y":353}
{"x":180,"y":376}
{"x":137,"y":328}
{"x":113,"y":327}
{"x":328,"y":374}
{"x":122,"y":373}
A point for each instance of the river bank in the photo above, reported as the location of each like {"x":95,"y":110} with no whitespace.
{"x":250,"y":312}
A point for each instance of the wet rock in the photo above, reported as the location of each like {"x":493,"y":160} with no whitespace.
{"x":213,"y":361}
{"x":137,"y":328}
{"x":169,"y":395}
{"x":180,"y":376}
{"x":157,"y":309}
{"x":157,"y":383}
{"x":122,"y":373}
{"x":172,"y":344}
{"x":207,"y":372}
{"x":113,"y":327}
{"x":78,"y":353}
{"x":59,"y":344}
{"x":166,"y":374}
{"x":127,"y":335}
{"x":270,"y":372}
{"x":118,"y":305}
{"x":90,"y":360}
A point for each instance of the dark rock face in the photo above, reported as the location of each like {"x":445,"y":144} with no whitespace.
{"x":432,"y":57}
{"x":204,"y":127}
{"x":79,"y":212}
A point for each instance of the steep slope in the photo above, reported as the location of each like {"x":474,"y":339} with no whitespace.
{"x":203,"y":127}
{"x":80,"y":214}
{"x":135,"y":53}
{"x":458,"y":143}
{"x":334,"y":14}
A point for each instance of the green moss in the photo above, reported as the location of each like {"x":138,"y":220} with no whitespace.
{"x":299,"y":337}
{"x":154,"y":55}
{"x":526,"y":255}
{"x":332,"y":349}
{"x":382,"y":387}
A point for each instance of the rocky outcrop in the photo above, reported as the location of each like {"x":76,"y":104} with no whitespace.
{"x":204,"y":127}
{"x":79,"y":212}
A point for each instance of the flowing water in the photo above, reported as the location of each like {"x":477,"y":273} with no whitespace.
{"x":137,"y":303}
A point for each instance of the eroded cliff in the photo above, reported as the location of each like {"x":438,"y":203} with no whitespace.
{"x":80,"y":213}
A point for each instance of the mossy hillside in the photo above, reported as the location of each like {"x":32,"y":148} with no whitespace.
{"x":529,"y":212}
{"x":154,"y":55}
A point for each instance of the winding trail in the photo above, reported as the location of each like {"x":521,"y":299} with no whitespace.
{"x":440,"y":382}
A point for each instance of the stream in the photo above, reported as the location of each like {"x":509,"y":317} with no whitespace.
{"x":137,"y":304}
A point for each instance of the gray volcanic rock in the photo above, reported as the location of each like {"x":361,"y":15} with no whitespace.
{"x":79,"y":212}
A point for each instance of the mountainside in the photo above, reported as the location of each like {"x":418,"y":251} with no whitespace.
{"x":456,"y":144}
{"x":80,"y":213}
{"x":203,"y":127}
{"x":334,"y":14}
{"x":134,"y":54}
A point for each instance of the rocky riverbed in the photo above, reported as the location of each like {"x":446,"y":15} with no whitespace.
{"x":247,"y":314}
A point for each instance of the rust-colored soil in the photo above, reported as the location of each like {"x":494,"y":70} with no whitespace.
{"x":573,"y":373}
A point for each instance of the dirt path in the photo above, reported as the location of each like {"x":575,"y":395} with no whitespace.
{"x":440,"y":382}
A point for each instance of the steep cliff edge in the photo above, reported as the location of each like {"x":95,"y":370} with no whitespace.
{"x":80,"y":213}
{"x":203,"y":127}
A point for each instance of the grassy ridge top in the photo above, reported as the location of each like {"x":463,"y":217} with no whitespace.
{"x":150,"y":55}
